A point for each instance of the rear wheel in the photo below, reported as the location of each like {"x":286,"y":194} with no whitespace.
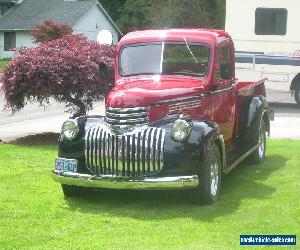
{"x":258,"y":156}
{"x":210,"y":179}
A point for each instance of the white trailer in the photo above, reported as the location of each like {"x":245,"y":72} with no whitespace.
{"x":267,"y":42}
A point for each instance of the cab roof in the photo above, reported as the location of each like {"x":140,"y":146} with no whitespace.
{"x":191,"y":35}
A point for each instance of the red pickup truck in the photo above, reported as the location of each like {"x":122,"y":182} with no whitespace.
{"x":176,"y":117}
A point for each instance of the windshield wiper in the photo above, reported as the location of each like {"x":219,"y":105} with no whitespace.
{"x":188,"y":47}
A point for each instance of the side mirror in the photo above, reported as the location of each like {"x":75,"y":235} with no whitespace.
{"x":102,"y":70}
{"x":226,"y":71}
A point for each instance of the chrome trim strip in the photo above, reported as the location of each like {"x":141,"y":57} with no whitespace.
{"x":94,"y":149}
{"x":90,"y":147}
{"x":139,"y":121}
{"x":129,"y":148}
{"x":157,"y":150}
{"x":221,"y":90}
{"x":100,"y":151}
{"x":139,"y":153}
{"x":152,"y":166}
{"x":178,"y":109}
{"x":86,"y":139}
{"x":123,"y":156}
{"x":104,"y":152}
{"x":147,"y":153}
{"x":126,"y":155}
{"x":128,"y":115}
{"x":109,"y":152}
{"x":162,"y":148}
{"x":113,"y":182}
{"x":193,"y":102}
{"x":181,"y":99}
{"x":126,"y":110}
{"x":97,"y":150}
{"x":186,"y":105}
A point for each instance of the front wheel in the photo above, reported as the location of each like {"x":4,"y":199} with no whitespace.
{"x":210,"y":179}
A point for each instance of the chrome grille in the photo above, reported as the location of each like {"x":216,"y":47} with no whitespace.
{"x":136,"y":155}
{"x":127,"y":116}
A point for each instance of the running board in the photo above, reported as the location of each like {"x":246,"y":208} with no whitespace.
{"x":239,"y":160}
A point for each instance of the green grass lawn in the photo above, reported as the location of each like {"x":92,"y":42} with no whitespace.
{"x":262,"y":199}
{"x":3,"y":63}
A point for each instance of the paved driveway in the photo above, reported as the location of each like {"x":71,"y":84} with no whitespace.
{"x":34,"y":119}
{"x":287,"y":121}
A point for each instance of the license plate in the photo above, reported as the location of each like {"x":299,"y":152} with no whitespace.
{"x":66,"y":165}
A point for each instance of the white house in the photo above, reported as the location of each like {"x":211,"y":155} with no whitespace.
{"x":19,"y":17}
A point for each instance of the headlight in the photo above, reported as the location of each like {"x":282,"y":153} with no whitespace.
{"x":69,"y":130}
{"x":181,"y":130}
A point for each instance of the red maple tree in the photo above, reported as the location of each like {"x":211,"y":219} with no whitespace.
{"x":65,"y":69}
{"x":50,"y":30}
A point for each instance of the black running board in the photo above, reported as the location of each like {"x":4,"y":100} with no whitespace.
{"x":239,"y":160}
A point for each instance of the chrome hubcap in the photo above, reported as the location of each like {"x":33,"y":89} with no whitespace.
{"x":214,"y":176}
{"x":261,"y":143}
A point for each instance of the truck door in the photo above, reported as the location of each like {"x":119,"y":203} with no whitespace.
{"x":224,"y":101}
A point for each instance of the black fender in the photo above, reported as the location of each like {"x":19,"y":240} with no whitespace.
{"x":185,"y":158}
{"x":252,"y":112}
{"x":75,"y":149}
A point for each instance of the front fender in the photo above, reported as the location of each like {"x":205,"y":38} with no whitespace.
{"x":183,"y":158}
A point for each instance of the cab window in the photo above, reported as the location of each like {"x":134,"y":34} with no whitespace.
{"x":224,"y":64}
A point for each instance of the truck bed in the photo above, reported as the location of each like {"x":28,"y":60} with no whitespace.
{"x":251,"y":88}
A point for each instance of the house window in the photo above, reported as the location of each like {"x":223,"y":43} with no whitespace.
{"x":9,"y":40}
{"x":270,"y":21}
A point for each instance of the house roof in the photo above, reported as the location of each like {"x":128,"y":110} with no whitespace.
{"x":29,"y":13}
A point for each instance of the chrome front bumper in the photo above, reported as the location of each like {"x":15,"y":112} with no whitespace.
{"x":114,"y":182}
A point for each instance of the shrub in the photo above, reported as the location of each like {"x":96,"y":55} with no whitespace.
{"x":66,"y":69}
{"x":49,"y":30}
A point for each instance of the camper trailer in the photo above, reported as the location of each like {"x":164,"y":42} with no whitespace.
{"x":267,"y":41}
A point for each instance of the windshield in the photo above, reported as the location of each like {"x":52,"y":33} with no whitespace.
{"x":164,"y":58}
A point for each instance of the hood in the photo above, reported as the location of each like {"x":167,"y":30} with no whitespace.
{"x":143,"y":91}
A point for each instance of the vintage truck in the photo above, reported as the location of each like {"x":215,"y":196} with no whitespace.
{"x":176,"y":117}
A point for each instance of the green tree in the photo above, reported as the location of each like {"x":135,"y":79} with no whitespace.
{"x":134,"y":15}
{"x":143,"y":14}
{"x":184,"y":13}
{"x":113,"y":7}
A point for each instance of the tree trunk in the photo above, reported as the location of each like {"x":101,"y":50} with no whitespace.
{"x":79,"y":104}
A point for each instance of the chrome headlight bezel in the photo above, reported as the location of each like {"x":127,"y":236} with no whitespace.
{"x":70,"y":130}
{"x":181,"y":129}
